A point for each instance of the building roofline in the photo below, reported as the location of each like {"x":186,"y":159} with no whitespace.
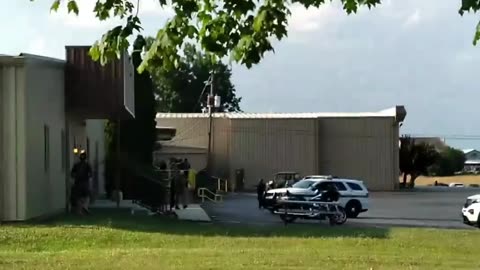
{"x":77,"y":46}
{"x":23,"y":58}
{"x":392,"y":113}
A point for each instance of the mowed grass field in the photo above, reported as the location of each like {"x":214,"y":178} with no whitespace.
{"x":116,"y":240}
{"x":464,"y":179}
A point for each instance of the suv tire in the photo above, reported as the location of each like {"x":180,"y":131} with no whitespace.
{"x":353,"y":208}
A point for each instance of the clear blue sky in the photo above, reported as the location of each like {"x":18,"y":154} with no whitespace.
{"x":410,"y":52}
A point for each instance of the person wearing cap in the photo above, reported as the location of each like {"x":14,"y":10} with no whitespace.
{"x":261,"y":189}
{"x":81,"y":173}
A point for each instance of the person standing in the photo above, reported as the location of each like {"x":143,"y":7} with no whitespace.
{"x":81,"y":173}
{"x":181,"y":186}
{"x":186,"y":166}
{"x":173,"y":192}
{"x":261,"y":187}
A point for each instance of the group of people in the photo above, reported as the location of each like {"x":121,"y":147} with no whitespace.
{"x":82,"y":173}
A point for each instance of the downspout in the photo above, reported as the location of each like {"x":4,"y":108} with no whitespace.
{"x":316,"y":150}
{"x":2,"y":177}
{"x":67,"y":162}
{"x":16,"y":142}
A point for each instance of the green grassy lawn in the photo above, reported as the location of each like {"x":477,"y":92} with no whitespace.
{"x":115,"y":240}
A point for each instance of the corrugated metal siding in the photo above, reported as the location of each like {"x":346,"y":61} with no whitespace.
{"x":263,"y":147}
{"x":365,"y":149}
{"x":2,"y":151}
{"x":12,"y":158}
{"x":190,"y":131}
{"x":220,"y":147}
{"x":45,"y":107}
{"x":193,"y":132}
{"x":94,"y":91}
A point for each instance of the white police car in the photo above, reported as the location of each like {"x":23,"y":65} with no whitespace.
{"x":471,"y":210}
{"x":353,"y":193}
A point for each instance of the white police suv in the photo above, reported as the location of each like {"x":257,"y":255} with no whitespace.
{"x":353,"y":193}
{"x":471,"y":210}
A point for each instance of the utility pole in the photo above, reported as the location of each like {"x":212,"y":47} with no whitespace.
{"x":210,"y":105}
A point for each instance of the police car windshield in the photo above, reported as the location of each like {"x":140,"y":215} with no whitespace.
{"x":304,"y":184}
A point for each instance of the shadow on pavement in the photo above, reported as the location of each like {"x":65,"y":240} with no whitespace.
{"x":123,"y":220}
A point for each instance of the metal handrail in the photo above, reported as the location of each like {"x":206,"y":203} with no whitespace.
{"x":201,"y":193}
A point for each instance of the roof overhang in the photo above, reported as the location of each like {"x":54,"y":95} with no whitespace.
{"x":472,"y":162}
{"x":25,"y":58}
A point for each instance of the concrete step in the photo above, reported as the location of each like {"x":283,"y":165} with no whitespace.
{"x":194,"y":212}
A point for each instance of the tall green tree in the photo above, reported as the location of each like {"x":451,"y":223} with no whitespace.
{"x":241,"y":29}
{"x":450,"y":161}
{"x":185,"y":89}
{"x":138,"y":135}
{"x":415,"y":159}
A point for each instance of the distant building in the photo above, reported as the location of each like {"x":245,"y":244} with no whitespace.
{"x":472,"y":160}
{"x":249,"y":146}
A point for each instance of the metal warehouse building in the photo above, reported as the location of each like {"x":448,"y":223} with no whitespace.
{"x":355,"y":145}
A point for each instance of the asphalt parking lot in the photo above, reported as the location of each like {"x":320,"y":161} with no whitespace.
{"x":428,"y":207}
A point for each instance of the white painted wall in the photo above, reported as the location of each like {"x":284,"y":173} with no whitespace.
{"x":33,"y":164}
{"x":37,"y":139}
{"x":96,"y":154}
{"x":46,"y":152}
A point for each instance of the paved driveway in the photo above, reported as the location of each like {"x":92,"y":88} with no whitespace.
{"x":425,"y":208}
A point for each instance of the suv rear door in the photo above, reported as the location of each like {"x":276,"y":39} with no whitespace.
{"x":357,"y":189}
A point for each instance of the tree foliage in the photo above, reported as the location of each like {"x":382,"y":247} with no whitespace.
{"x":415,"y":159}
{"x":242,"y":29}
{"x":185,"y":89}
{"x":449,"y":162}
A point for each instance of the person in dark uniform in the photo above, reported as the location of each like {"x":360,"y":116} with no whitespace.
{"x":81,"y":173}
{"x":172,"y":192}
{"x":261,"y":188}
{"x":181,"y":185}
{"x":186,"y":167}
{"x":331,"y":193}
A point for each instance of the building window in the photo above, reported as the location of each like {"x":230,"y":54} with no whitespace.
{"x":46,"y":144}
{"x":64,"y":150}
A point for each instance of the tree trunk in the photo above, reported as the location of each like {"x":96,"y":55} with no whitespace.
{"x":412,"y":180}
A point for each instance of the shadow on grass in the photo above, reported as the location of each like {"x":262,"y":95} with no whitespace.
{"x":123,"y":220}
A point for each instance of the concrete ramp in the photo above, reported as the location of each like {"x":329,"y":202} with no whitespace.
{"x":194,"y":212}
